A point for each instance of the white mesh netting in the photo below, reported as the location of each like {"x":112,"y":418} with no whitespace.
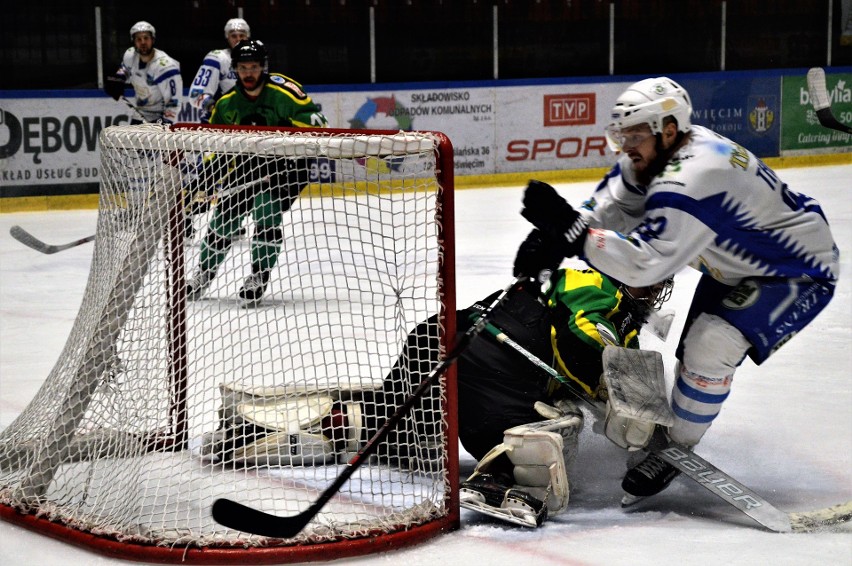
{"x":167,"y":397}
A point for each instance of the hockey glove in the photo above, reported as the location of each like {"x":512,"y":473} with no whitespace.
{"x":537,"y":257}
{"x":551,"y":214}
{"x":114,"y":86}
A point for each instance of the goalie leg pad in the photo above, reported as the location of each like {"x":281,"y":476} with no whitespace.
{"x":540,"y":454}
{"x":272,"y":426}
{"x":539,"y":466}
{"x":627,"y":432}
{"x":636,"y":402}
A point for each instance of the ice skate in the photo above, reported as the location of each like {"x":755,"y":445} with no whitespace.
{"x":198,"y":284}
{"x":485,"y":493}
{"x":253,"y":289}
{"x":649,"y":477}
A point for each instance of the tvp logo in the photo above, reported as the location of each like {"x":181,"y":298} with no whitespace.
{"x":569,"y":109}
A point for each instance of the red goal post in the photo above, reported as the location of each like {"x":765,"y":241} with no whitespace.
{"x":114,"y":452}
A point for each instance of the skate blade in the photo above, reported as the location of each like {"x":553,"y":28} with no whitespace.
{"x":514,"y":516}
{"x":249,"y":303}
{"x":629,"y":500}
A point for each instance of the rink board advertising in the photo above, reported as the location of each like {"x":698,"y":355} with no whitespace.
{"x":48,"y":139}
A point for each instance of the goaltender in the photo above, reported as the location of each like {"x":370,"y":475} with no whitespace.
{"x":513,"y":417}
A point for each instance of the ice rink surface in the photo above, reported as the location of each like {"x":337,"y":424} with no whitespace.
{"x":785,"y":431}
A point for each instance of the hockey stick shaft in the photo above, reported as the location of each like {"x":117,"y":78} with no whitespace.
{"x":746,"y":499}
{"x":32,"y":242}
{"x":225,"y":193}
{"x":822,"y":103}
{"x":703,"y":472}
{"x":503,"y":338}
{"x":241,"y":517}
{"x":134,"y":108}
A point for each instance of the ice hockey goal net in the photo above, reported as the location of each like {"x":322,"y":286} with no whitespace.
{"x":132,"y":436}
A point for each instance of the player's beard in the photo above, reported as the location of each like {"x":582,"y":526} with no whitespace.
{"x":254,"y":85}
{"x":658,"y":164}
{"x":146,"y":52}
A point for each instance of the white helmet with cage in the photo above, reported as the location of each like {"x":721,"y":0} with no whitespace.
{"x":140,"y":27}
{"x":649,"y":101}
{"x":237,"y":24}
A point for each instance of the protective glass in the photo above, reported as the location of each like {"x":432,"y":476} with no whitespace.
{"x":624,"y":139}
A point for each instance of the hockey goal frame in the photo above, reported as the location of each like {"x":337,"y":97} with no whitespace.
{"x":176,"y":438}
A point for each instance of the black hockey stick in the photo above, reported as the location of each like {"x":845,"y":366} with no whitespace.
{"x":134,"y":108}
{"x":822,"y":103}
{"x":243,"y":518}
{"x":31,"y":241}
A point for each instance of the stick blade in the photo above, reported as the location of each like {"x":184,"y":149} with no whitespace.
{"x":822,"y":518}
{"x":243,"y":518}
{"x":31,"y":241}
{"x":817,"y":88}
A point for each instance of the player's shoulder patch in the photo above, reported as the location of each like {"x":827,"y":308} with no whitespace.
{"x":287,"y":83}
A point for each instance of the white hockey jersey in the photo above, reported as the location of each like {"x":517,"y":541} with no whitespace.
{"x":158,"y":85}
{"x":717,"y":208}
{"x":215,"y":77}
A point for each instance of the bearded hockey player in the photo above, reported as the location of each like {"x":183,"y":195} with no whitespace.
{"x":215,"y":76}
{"x":516,"y":420}
{"x":154,"y":76}
{"x":681,"y":195}
{"x":265,"y":188}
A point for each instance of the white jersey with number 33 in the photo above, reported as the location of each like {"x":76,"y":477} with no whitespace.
{"x":215,"y":77}
{"x":717,"y":208}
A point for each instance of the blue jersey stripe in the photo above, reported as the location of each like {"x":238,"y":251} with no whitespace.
{"x":211,"y":62}
{"x":167,"y":75}
{"x":691,"y":417}
{"x":776,"y":253}
{"x":700,"y":396}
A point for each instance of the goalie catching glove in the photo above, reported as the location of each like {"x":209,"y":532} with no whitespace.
{"x":540,"y":454}
{"x":272,"y":426}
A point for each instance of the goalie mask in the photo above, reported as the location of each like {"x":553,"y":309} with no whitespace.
{"x":643,"y":300}
{"x":649,"y":101}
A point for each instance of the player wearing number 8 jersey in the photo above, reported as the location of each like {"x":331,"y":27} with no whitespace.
{"x":153,"y":74}
{"x":681,"y":195}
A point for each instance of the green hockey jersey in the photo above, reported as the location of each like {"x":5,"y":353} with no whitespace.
{"x":588,"y":311}
{"x":281,"y":102}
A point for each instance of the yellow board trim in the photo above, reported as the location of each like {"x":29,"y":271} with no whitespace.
{"x":515,"y":180}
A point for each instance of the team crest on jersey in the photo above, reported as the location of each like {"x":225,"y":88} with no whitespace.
{"x":743,"y":296}
{"x":289,"y":85}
